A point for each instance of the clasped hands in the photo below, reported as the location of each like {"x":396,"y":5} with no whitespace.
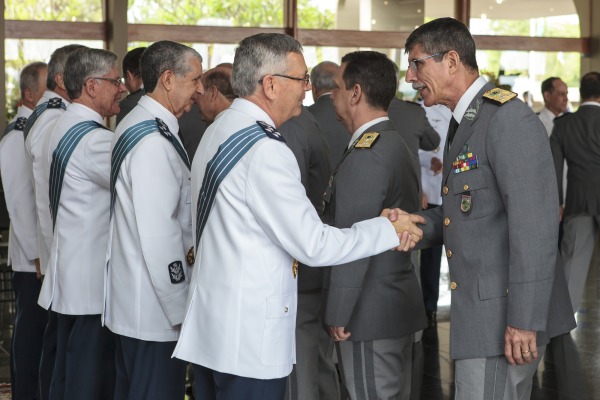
{"x":406,"y":227}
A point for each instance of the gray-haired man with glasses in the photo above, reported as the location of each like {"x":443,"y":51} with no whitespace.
{"x":253,"y":224}
{"x":498,"y":219}
{"x":77,"y":153}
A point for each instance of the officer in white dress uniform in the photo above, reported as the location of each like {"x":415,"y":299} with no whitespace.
{"x":241,"y":310}
{"x":77,"y":154}
{"x":49,"y":108}
{"x":30,"y":319}
{"x":150,"y":235}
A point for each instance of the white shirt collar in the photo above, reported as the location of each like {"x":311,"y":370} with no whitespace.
{"x":49,"y":94}
{"x":85,"y":112}
{"x":364,"y":127}
{"x":159,"y":111}
{"x":248,"y":107}
{"x":590,"y":103}
{"x":467,"y":98}
{"x":23,"y":111}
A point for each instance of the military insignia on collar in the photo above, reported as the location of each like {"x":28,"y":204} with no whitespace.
{"x":176,"y":272}
{"x":190,"y":258}
{"x":472,"y":111}
{"x":55,"y":102}
{"x":163,"y":128}
{"x":367,"y":140}
{"x":499,"y":96}
{"x":271,"y":131}
{"x":20,"y":123}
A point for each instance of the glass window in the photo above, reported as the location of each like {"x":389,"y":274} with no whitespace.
{"x":363,"y":15}
{"x":238,"y":13}
{"x":19,"y":53}
{"x":523,"y":71}
{"x":537,"y":18}
{"x":54,"y":10}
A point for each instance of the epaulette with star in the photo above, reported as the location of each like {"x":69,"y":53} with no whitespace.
{"x":20,"y":123}
{"x":499,"y":96}
{"x":367,"y":140}
{"x":271,"y":131}
{"x":55,"y":102}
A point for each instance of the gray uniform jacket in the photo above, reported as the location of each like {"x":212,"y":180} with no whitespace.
{"x":411,"y":122}
{"x":336,"y":135}
{"x":376,"y":297}
{"x":576,"y":138}
{"x":304,"y":137}
{"x":499,"y":223}
{"x":128,"y":103}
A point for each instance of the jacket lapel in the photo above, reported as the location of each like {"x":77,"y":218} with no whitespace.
{"x":464,"y":131}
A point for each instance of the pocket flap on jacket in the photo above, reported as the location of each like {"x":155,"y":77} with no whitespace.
{"x":281,"y":306}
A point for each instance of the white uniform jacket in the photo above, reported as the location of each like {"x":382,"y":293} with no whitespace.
{"x":74,"y":282}
{"x":34,"y":144}
{"x":18,"y":193}
{"x":150,"y":230}
{"x":241,"y":311}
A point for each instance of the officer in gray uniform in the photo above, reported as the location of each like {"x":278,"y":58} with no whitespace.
{"x":498,"y":219}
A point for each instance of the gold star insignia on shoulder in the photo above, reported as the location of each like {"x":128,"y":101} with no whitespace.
{"x":499,"y":96}
{"x":367,"y":140}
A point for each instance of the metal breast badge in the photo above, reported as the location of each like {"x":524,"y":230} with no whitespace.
{"x":295,"y":268}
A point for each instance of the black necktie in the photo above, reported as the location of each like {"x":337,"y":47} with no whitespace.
{"x":452,"y":130}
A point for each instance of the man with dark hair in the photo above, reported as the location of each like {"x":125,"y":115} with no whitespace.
{"x":30,"y":318}
{"x":252,"y":219}
{"x":373,"y":305}
{"x":555,"y":93}
{"x":77,"y":154}
{"x":497,"y":220}
{"x":150,"y":238}
{"x":133,"y":81}
{"x":336,"y":135}
{"x":576,"y":140}
{"x":48,"y":110}
{"x":218,"y":93}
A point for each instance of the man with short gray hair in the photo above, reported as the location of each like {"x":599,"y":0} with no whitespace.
{"x":498,"y":222}
{"x":30,"y":318}
{"x":150,"y":239}
{"x":253,"y":220}
{"x":336,"y":135}
{"x":77,"y":154}
{"x":48,"y":110}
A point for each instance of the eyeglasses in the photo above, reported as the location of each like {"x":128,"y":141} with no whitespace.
{"x":306,"y":78}
{"x":414,"y":64}
{"x":117,"y":82}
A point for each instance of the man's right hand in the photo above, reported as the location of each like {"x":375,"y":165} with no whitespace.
{"x":405,"y":225}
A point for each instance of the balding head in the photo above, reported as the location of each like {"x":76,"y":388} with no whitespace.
{"x":218,"y":93}
{"x":321,"y":78}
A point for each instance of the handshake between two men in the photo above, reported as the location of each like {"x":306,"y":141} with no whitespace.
{"x":406,"y":227}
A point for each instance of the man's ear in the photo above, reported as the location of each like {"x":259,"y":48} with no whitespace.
{"x":212,"y":93}
{"x":28,"y":95}
{"x":453,"y":61}
{"x":167,"y":79}
{"x":59,"y":79}
{"x":269,"y":87}
{"x":356,"y":94}
{"x":90,"y":87}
